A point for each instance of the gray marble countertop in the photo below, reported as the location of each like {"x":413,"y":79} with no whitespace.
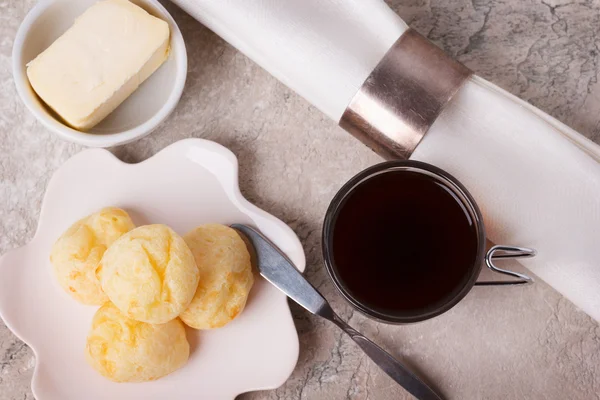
{"x":499,"y":343}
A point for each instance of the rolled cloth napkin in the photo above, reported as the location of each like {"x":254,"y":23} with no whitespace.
{"x":536,"y":180}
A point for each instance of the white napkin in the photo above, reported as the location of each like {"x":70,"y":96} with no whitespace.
{"x":322,"y":49}
{"x":536,"y":180}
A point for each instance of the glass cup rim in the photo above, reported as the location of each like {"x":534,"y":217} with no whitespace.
{"x":431,"y":171}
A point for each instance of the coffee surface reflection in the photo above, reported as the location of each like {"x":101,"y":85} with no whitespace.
{"x":403,"y":243}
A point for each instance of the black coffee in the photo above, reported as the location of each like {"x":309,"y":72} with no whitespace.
{"x":403,"y":243}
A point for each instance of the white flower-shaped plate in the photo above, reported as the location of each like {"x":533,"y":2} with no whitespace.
{"x":189,"y":183}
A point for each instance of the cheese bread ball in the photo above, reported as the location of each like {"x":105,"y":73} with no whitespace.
{"x":76,"y":254}
{"x":124,"y":350}
{"x":225,"y":276}
{"x":149,"y":274}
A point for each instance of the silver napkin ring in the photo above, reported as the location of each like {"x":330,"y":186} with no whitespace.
{"x":403,"y":96}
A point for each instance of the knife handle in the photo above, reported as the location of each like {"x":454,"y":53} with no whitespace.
{"x":274,"y":266}
{"x":396,"y":370}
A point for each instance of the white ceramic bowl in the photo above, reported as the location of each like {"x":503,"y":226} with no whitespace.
{"x":137,"y":116}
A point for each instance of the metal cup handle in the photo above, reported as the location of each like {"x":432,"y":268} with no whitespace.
{"x":500,"y":252}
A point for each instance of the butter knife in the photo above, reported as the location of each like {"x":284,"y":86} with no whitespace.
{"x":277,"y":268}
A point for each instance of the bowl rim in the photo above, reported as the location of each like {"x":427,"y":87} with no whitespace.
{"x":67,"y":133}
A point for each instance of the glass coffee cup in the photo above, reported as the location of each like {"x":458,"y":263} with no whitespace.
{"x":404,"y":241}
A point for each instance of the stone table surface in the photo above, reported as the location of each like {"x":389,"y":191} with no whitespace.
{"x":499,"y":343}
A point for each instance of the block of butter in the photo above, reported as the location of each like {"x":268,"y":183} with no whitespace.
{"x":96,"y":64}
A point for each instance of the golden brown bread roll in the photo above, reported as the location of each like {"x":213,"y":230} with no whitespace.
{"x":125,"y":350}
{"x":225,"y":276}
{"x":149,"y":274}
{"x":76,"y":254}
